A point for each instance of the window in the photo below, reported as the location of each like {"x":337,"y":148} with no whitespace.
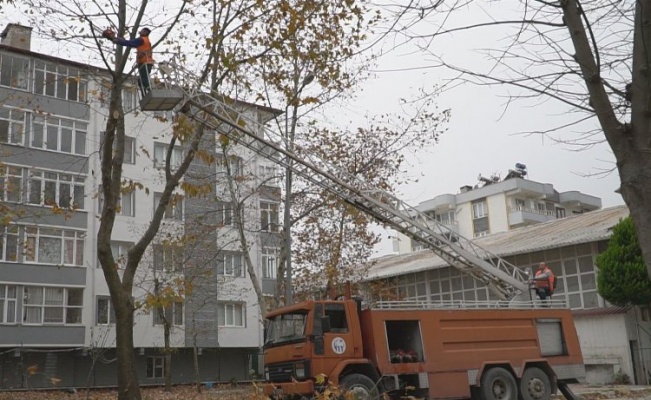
{"x":8,"y":304}
{"x":129,"y":97}
{"x":9,"y":243}
{"x":129,"y":149}
{"x":224,"y":212}
{"x":520,"y":204}
{"x":479,"y":210}
{"x":119,"y":250}
{"x":269,"y":262}
{"x":52,"y":305}
{"x":11,"y":183}
{"x":560,"y":212}
{"x":126,"y":204}
{"x":234,"y":164}
{"x":268,"y":216}
{"x":337,"y":315}
{"x":230,"y":314}
{"x":12,"y":125}
{"x":172,"y":313}
{"x":59,"y":134}
{"x":446,"y":218}
{"x":14,"y":71}
{"x":269,"y":175}
{"x":55,"y":189}
{"x":160,"y":154}
{"x":480,"y":218}
{"x":174,"y":209}
{"x":155,"y":367}
{"x":168,"y":257}
{"x":230,"y":264}
{"x":54,"y":246}
{"x":59,"y":81}
{"x":105,"y":311}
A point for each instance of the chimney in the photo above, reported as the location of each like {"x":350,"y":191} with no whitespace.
{"x":17,"y":36}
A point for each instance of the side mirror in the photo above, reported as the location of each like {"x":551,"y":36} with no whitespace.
{"x":325,"y":324}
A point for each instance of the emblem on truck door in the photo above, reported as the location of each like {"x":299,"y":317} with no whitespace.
{"x":338,"y":345}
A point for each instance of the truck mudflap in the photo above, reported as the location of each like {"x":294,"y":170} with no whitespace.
{"x":288,"y":388}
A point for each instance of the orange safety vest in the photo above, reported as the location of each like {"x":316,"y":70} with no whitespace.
{"x":546,"y":283}
{"x":144,"y":54}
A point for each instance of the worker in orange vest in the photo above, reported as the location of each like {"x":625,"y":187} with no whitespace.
{"x":144,"y":57}
{"x":544,"y":281}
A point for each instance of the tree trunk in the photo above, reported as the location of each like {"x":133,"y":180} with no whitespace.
{"x":631,"y":143}
{"x":168,"y":355}
{"x":128,"y":385}
{"x":195,"y":360}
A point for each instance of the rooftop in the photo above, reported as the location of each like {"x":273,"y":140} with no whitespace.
{"x":583,"y":228}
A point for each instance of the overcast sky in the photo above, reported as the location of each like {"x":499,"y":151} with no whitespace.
{"x":481,"y":138}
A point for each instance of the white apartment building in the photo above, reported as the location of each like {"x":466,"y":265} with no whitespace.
{"x":498,"y":205}
{"x":56,"y":322}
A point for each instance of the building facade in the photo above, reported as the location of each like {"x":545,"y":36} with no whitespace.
{"x":56,"y":322}
{"x":615,"y":341}
{"x":497,"y":205}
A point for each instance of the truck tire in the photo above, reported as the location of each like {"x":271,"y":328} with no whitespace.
{"x":535,"y":385}
{"x":498,"y":384}
{"x":359,"y":386}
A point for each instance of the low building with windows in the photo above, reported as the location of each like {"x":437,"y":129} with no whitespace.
{"x":614,"y":340}
{"x":57,"y":325}
{"x":497,"y":205}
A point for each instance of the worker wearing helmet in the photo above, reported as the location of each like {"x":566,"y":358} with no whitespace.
{"x":144,"y":57}
{"x":544,"y":281}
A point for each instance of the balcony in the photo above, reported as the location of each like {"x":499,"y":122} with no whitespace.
{"x":575,"y":200}
{"x":522,"y":216}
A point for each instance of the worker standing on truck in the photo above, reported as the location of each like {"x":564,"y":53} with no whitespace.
{"x":144,"y":57}
{"x":544,"y":281}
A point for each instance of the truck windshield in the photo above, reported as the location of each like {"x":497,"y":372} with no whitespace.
{"x":285,"y":328}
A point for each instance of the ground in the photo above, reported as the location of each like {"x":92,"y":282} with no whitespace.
{"x":587,"y":392}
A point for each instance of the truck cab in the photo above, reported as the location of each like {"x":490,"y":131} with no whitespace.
{"x":311,"y":339}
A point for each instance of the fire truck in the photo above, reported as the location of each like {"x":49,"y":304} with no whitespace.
{"x":435,"y":350}
{"x":506,"y":349}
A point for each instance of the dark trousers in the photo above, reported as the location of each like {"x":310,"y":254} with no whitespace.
{"x":144,"y":70}
{"x":544,"y":293}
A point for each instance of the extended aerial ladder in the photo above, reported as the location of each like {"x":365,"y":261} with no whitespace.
{"x":504,"y":279}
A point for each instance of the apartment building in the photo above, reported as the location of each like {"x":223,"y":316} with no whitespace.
{"x":56,"y":323}
{"x":498,"y":205}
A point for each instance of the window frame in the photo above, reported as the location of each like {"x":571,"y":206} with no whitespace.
{"x":8,"y":304}
{"x":36,"y":238}
{"x":110,"y":311}
{"x":6,"y":232}
{"x":226,"y":307}
{"x":43,"y":180}
{"x":168,"y":257}
{"x":226,"y":262}
{"x":269,"y":216}
{"x":155,"y":364}
{"x":16,"y":125}
{"x":270,"y":262}
{"x":13,"y":76}
{"x":160,"y":151}
{"x":174,"y":313}
{"x":67,"y":309}
{"x":46,"y":127}
{"x":11,"y":182}
{"x":63,"y":81}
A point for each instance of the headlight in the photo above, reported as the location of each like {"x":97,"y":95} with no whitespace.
{"x":300,"y":371}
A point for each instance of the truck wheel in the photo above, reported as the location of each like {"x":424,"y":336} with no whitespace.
{"x":535,"y":385}
{"x":359,"y":386}
{"x":498,"y":384}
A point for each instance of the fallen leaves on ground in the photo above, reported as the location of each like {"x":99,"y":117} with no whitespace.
{"x":177,"y":393}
